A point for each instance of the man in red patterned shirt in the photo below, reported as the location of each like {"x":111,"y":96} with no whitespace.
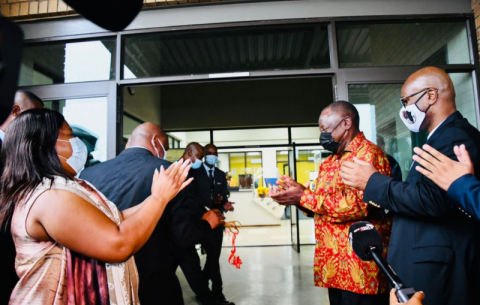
{"x":336,"y":206}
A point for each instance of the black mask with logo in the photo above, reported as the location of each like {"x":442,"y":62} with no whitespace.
{"x":328,"y":142}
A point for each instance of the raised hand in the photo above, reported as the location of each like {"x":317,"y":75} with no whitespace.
{"x":439,"y":168}
{"x":168,"y":183}
{"x":229,"y":206}
{"x":289,"y":191}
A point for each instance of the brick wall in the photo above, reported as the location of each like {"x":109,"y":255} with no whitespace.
{"x":476,"y":12}
{"x":35,"y":9}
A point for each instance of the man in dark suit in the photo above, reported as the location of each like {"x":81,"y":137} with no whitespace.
{"x":125,"y":180}
{"x":188,"y":257}
{"x":212,"y":193}
{"x":24,"y":100}
{"x":434,"y":247}
{"x":455,"y":177}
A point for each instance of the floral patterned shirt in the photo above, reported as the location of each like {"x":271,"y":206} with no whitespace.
{"x":336,"y":207}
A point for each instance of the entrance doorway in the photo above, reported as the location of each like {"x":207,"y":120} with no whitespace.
{"x":257,"y":126}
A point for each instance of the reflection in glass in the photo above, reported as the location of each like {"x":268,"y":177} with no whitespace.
{"x":88,"y":119}
{"x":398,"y":44}
{"x":59,"y":63}
{"x":465,"y":98}
{"x":227,"y":50}
{"x":390,"y":133}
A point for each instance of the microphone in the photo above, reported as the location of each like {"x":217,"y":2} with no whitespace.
{"x":367,"y":245}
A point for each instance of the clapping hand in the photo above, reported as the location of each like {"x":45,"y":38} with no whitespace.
{"x":439,"y":168}
{"x":288,"y":192}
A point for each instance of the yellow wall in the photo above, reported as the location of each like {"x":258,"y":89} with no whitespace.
{"x":303,"y":171}
{"x":237,"y":164}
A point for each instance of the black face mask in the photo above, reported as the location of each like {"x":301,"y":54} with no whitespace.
{"x":328,"y":142}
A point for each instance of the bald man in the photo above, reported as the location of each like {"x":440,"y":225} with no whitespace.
{"x":126,"y":181}
{"x":24,"y":100}
{"x":435,"y":246}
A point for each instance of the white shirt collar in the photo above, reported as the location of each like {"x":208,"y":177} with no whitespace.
{"x":430,"y":134}
{"x":2,"y":135}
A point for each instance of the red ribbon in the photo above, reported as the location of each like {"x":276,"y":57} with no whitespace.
{"x":233,"y":229}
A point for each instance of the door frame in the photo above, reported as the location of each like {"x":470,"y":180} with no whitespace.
{"x":106,"y":89}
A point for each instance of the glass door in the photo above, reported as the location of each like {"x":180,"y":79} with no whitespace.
{"x":294,"y":212}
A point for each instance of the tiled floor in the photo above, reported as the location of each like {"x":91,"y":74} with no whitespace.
{"x":268,"y":276}
{"x":273,"y":235}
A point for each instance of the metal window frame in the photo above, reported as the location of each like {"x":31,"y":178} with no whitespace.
{"x":341,"y":77}
{"x":106,"y":89}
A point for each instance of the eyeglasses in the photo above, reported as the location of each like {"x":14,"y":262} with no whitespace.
{"x":404,"y":100}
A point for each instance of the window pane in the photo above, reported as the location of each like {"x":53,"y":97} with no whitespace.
{"x":390,"y":132}
{"x":58,"y":63}
{"x":465,"y":98}
{"x":254,"y":167}
{"x":227,"y":50}
{"x":308,"y":163}
{"x":398,"y":44}
{"x":305,"y":134}
{"x":237,"y":168}
{"x":88,"y":119}
{"x":186,"y":137}
{"x":250,"y":137}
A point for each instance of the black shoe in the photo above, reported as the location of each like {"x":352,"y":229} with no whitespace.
{"x":221,"y":300}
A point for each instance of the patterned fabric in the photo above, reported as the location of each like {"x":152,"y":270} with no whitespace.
{"x":52,"y":274}
{"x":336,"y":207}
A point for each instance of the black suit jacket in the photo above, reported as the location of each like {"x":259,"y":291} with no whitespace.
{"x":434,"y":246}
{"x":126,"y":181}
{"x":8,"y":273}
{"x":202,"y":188}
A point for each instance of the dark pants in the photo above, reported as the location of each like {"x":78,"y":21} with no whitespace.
{"x":344,"y":297}
{"x":213,"y":248}
{"x":190,"y":263}
{"x":157,"y":264}
{"x":8,"y":275}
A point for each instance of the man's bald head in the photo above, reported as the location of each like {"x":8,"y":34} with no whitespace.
{"x":430,"y":77}
{"x":147,"y":135}
{"x":27,"y":100}
{"x":24,"y":100}
{"x":432,"y":90}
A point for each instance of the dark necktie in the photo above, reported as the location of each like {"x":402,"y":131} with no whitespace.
{"x":210,"y":176}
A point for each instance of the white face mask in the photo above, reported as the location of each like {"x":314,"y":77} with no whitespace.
{"x":164,"y":151}
{"x":79,"y":154}
{"x":412,"y":117}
